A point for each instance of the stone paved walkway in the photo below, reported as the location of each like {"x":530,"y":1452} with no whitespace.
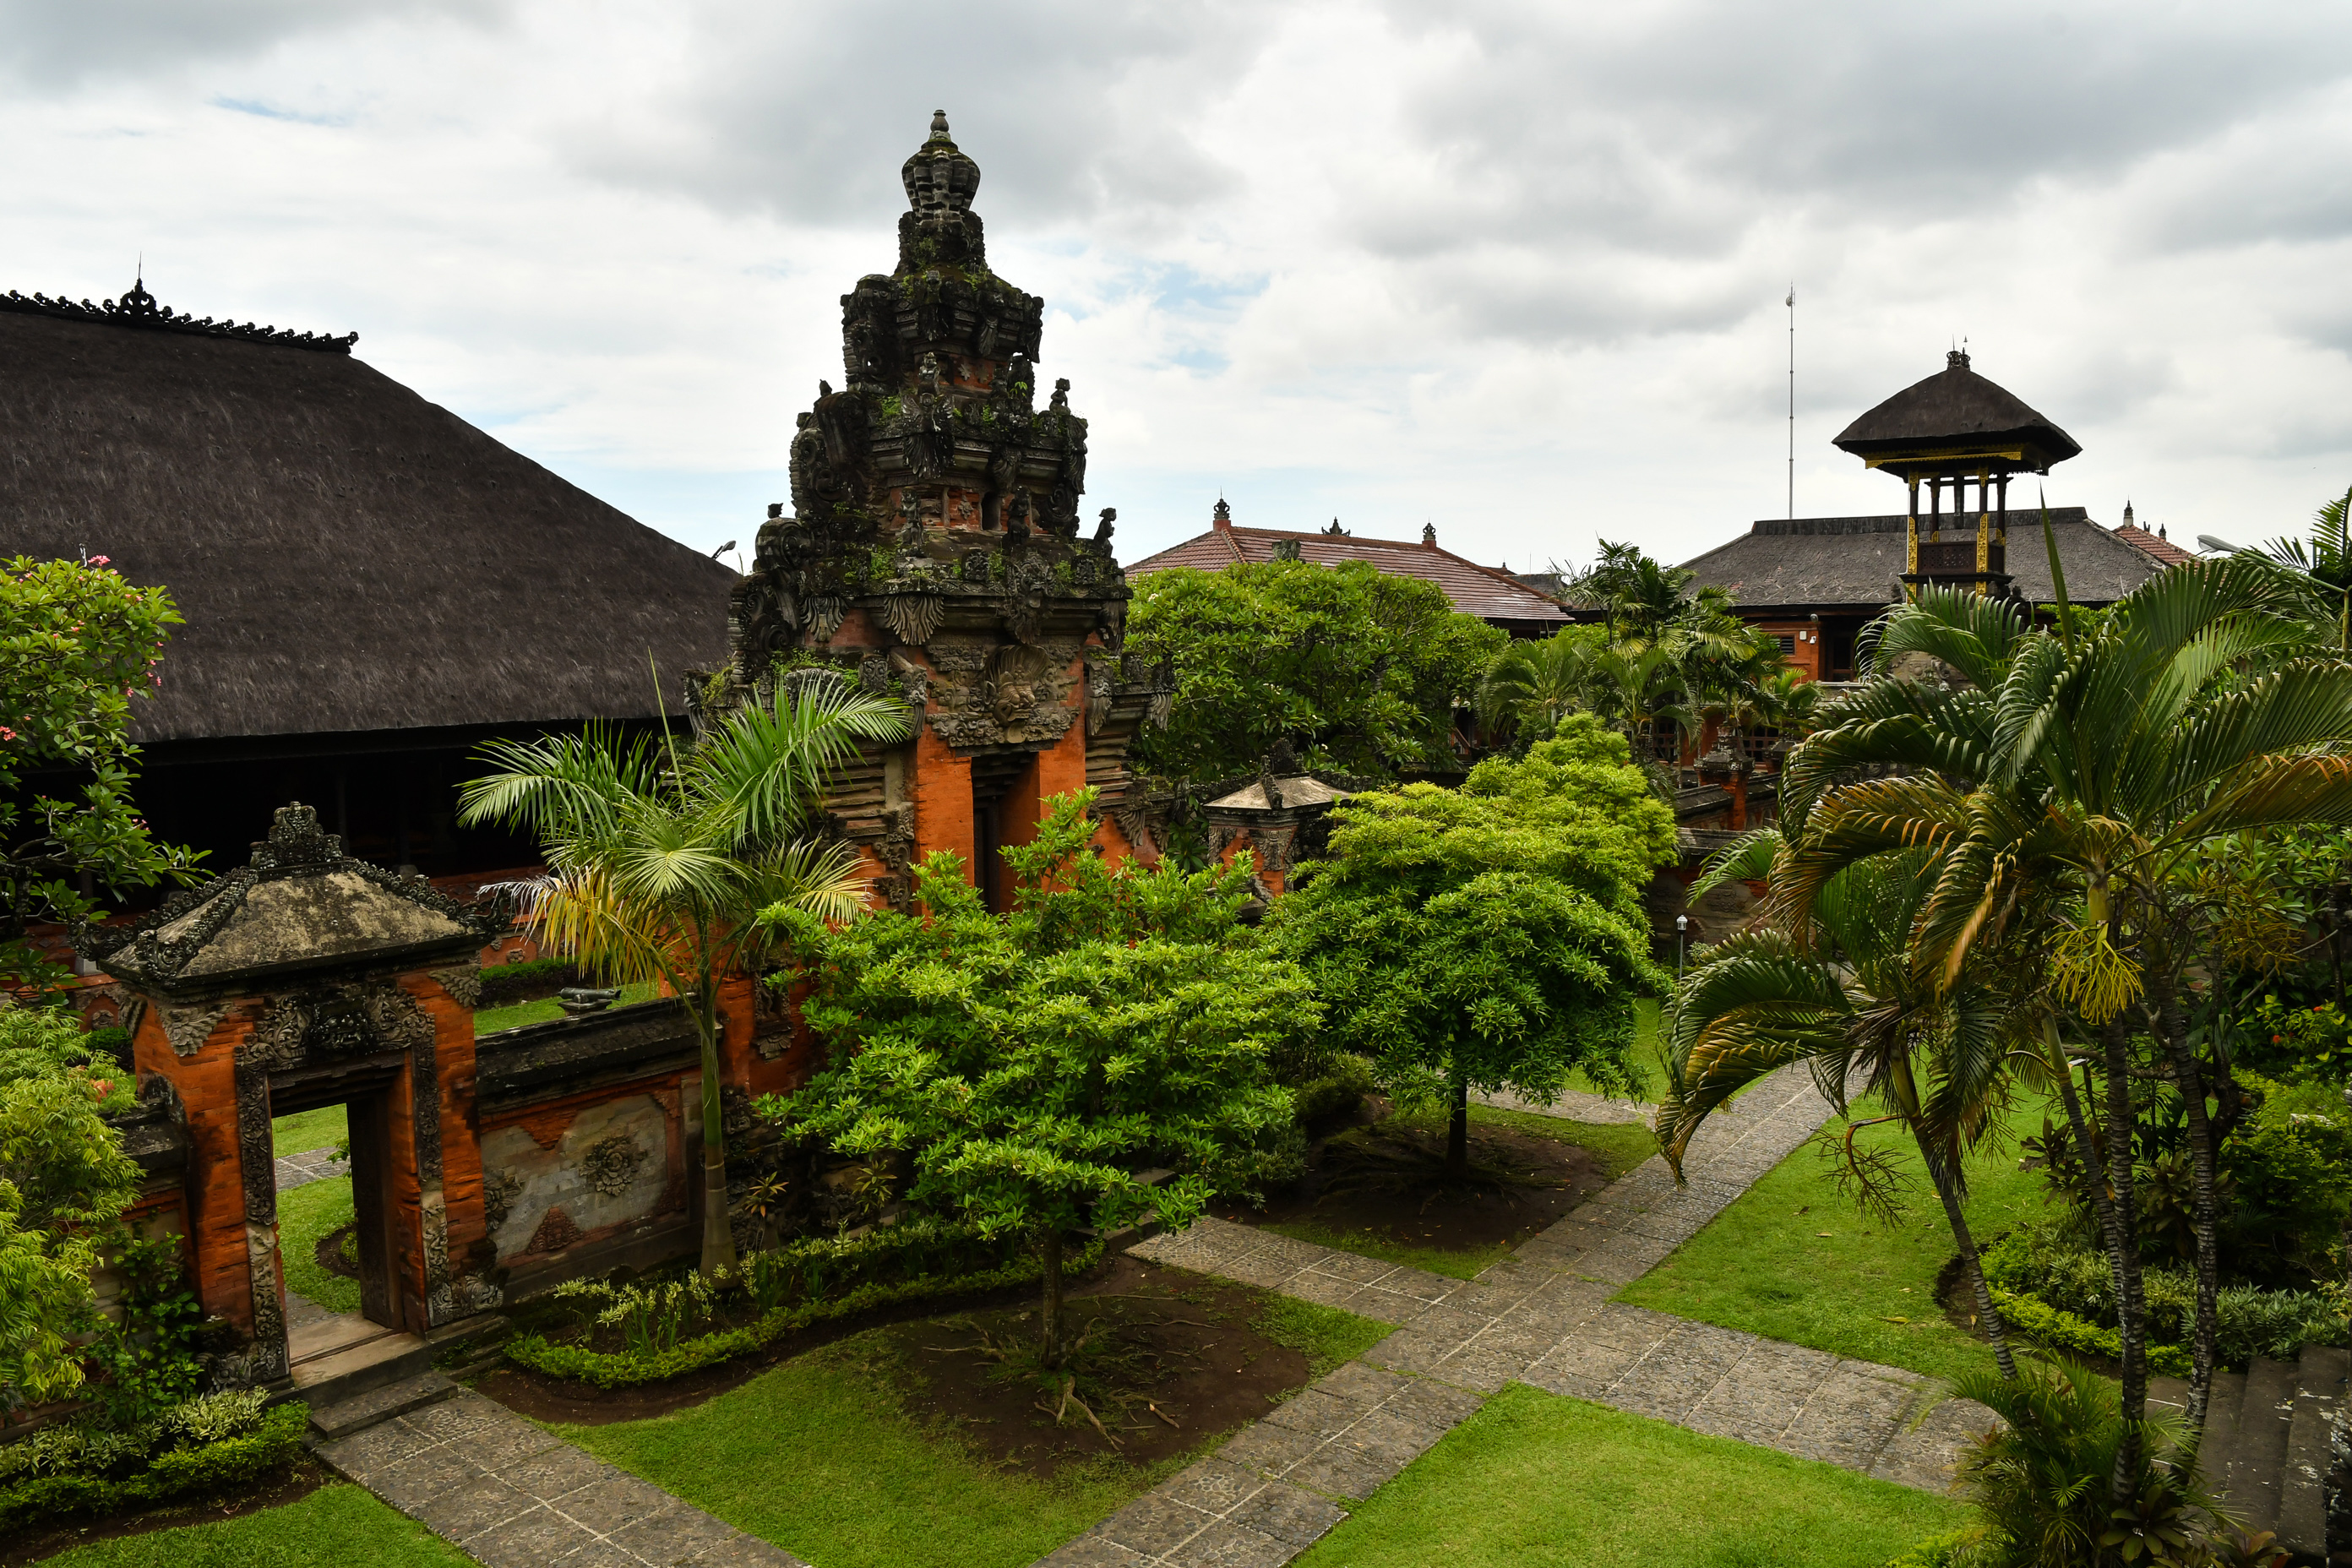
{"x":311,"y":1165}
{"x":1575,"y":1105}
{"x":1542,"y":1317}
{"x":512,"y":1495}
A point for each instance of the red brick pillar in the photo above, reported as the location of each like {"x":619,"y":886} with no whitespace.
{"x":943,"y":792}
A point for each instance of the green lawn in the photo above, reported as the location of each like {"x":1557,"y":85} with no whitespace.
{"x":1534,"y":1481}
{"x":514,"y":1014}
{"x":1791,"y":1260}
{"x":827,"y":1459}
{"x":307,"y":1129}
{"x":336,"y":1526}
{"x":1454,"y":1263}
{"x":304,"y":1215}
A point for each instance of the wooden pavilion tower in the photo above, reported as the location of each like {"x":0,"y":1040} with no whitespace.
{"x":1950,"y":431}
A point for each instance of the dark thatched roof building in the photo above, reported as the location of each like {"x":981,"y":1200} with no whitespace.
{"x":372,"y":586}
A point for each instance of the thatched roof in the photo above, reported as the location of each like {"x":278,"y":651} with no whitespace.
{"x":1956,"y":407}
{"x":1852,"y":564}
{"x":349,"y":556}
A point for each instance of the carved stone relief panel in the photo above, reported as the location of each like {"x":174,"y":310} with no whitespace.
{"x":589,"y":1175}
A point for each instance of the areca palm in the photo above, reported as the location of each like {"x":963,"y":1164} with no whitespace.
{"x":659,"y":860}
{"x":2058,"y":796}
{"x":1842,"y":996}
{"x":1533,"y":685}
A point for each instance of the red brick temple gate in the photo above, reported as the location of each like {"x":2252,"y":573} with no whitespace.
{"x":302,"y":980}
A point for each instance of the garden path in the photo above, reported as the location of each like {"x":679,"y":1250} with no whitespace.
{"x":510,"y":1494}
{"x":311,"y":1165}
{"x":1542,"y":1317}
{"x":1575,"y":1105}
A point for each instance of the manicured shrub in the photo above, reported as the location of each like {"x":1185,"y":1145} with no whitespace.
{"x":207,"y":1446}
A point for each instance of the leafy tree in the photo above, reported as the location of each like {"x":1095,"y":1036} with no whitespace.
{"x":76,"y":643}
{"x":659,"y":862}
{"x":1490,"y":935}
{"x":1358,"y":671}
{"x":1032,"y":1066}
{"x":1531,"y":686}
{"x":64,"y":1178}
{"x":2063,"y":791}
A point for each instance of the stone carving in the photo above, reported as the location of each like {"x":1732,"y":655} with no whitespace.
{"x":189,"y":1028}
{"x":463,"y":986}
{"x":139,"y":309}
{"x":824,"y":614}
{"x":913,"y":618}
{"x":500,"y":1191}
{"x":611,"y":1162}
{"x":1011,"y":690}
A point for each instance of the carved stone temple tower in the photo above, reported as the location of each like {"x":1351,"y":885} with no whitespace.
{"x":934,"y":553}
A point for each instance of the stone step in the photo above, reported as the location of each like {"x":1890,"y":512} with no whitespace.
{"x":315,"y":1333}
{"x":364,"y":1409}
{"x":2223,"y":1406}
{"x":2265,"y":1419}
{"x":369,"y":1363}
{"x":2303,"y":1484}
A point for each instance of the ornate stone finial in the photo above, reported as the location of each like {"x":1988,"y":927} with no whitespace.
{"x":1335,"y":529}
{"x":2128,"y":514}
{"x":1282,"y":762}
{"x":1060,"y":401}
{"x":1223,"y":517}
{"x":940,"y":125}
{"x":139,"y":303}
{"x":1428,"y":533}
{"x":297,"y":839}
{"x":823,"y":388}
{"x":1102,"y":529}
{"x":1957,"y":360}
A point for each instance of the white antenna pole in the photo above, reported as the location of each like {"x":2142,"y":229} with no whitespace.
{"x":1792,"y":402}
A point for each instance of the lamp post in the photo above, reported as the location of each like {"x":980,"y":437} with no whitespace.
{"x":1682,"y":932}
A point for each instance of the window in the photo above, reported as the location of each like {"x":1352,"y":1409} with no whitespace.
{"x":1788,"y":643}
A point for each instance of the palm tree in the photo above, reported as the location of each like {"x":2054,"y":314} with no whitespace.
{"x":2058,"y":794}
{"x":1843,"y":997}
{"x":1531,"y":686}
{"x":2326,"y":562}
{"x":658,"y":862}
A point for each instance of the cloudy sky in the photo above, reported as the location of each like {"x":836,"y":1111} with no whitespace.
{"x":1514,"y":269}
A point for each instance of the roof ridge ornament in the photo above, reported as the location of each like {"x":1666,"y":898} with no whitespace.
{"x":138,"y":307}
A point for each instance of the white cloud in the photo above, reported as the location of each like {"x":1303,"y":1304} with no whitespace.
{"x":1514,"y":267}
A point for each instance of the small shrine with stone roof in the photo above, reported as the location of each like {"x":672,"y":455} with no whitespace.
{"x":935,"y":551}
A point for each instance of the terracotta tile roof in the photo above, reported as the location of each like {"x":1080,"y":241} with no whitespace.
{"x":2164,"y":550}
{"x":1486,"y":592}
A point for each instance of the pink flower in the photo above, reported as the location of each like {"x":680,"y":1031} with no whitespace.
{"x":6,"y":733}
{"x":100,"y":560}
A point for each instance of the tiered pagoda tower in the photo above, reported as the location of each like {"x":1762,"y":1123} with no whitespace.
{"x":934,"y":552}
{"x":1952,"y":430}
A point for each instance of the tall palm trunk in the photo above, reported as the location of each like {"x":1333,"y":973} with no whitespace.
{"x":2174,"y":1030}
{"x":2131,"y":1298}
{"x":718,"y":1235}
{"x":1963,"y":1238}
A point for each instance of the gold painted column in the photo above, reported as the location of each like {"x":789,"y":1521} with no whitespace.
{"x":1984,"y":526}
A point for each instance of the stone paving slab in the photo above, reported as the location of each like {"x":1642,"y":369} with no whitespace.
{"x":512,"y":1495}
{"x":1544,"y":1317}
{"x":311,"y":1165}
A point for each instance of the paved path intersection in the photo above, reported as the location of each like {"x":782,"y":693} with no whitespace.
{"x":1542,"y":1317}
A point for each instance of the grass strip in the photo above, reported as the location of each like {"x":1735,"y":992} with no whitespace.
{"x":823,"y":1458}
{"x":1328,"y":1336}
{"x":334,"y":1527}
{"x":307,"y":1129}
{"x":1535,"y":1481}
{"x":1790,"y":1260}
{"x":305,"y":1215}
{"x":514,"y":1014}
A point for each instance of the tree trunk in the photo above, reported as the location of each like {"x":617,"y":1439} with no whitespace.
{"x":1967,"y":1242}
{"x":718,"y":1235}
{"x":1050,"y":1342}
{"x":2174,"y":1030}
{"x":1458,"y":1131}
{"x":2131,"y":1300}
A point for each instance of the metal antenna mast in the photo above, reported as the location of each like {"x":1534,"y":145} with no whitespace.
{"x":1792,"y":400}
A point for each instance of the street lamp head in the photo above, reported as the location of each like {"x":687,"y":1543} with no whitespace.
{"x":1682,"y":923}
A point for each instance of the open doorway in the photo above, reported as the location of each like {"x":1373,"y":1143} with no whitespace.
{"x":337,"y":1250}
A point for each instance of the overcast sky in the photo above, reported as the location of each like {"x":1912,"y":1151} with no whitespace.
{"x":1517,"y":269}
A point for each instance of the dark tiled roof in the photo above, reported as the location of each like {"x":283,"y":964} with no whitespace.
{"x":349,"y":556}
{"x":1955,"y":405}
{"x":1483,"y":591}
{"x":1854,"y":560}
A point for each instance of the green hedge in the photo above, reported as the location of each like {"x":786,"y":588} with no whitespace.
{"x":272,"y":1446}
{"x":2065,"y":1332}
{"x":624,"y":1369}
